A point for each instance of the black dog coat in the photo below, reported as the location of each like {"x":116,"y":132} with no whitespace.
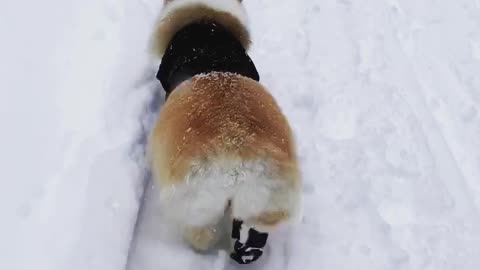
{"x":203,"y":47}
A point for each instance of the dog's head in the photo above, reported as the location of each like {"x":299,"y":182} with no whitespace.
{"x":177,"y":14}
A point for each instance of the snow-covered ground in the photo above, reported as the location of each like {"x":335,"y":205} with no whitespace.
{"x":383,"y":96}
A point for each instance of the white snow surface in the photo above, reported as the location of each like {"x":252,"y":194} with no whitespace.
{"x":383,"y":97}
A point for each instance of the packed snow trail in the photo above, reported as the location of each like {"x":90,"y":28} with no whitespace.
{"x":383,"y":96}
{"x":385,"y":186}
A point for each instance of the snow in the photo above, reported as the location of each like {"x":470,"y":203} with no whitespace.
{"x":383,"y":96}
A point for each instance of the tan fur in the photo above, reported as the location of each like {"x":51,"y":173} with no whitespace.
{"x":172,"y":22}
{"x":271,"y":219}
{"x":221,"y":117}
{"x":203,"y":238}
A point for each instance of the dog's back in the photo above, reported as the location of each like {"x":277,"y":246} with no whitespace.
{"x":221,"y":141}
{"x":222,"y":116}
{"x":219,"y":134}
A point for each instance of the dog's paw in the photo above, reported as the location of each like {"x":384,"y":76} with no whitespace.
{"x":249,"y":243}
{"x":201,"y":239}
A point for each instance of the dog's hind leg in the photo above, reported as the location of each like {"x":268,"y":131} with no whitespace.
{"x":196,"y":206}
{"x":203,"y":238}
{"x":261,"y":204}
{"x":266,"y":202}
{"x":204,"y":235}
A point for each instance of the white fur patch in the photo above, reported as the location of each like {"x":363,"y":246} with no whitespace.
{"x":251,"y":187}
{"x":244,"y":234}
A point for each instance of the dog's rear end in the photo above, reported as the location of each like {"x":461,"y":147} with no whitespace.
{"x":221,"y":141}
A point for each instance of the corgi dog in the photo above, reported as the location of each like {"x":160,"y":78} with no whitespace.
{"x":221,"y":145}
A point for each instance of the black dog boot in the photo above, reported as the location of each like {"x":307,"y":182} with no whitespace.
{"x":249,"y":243}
